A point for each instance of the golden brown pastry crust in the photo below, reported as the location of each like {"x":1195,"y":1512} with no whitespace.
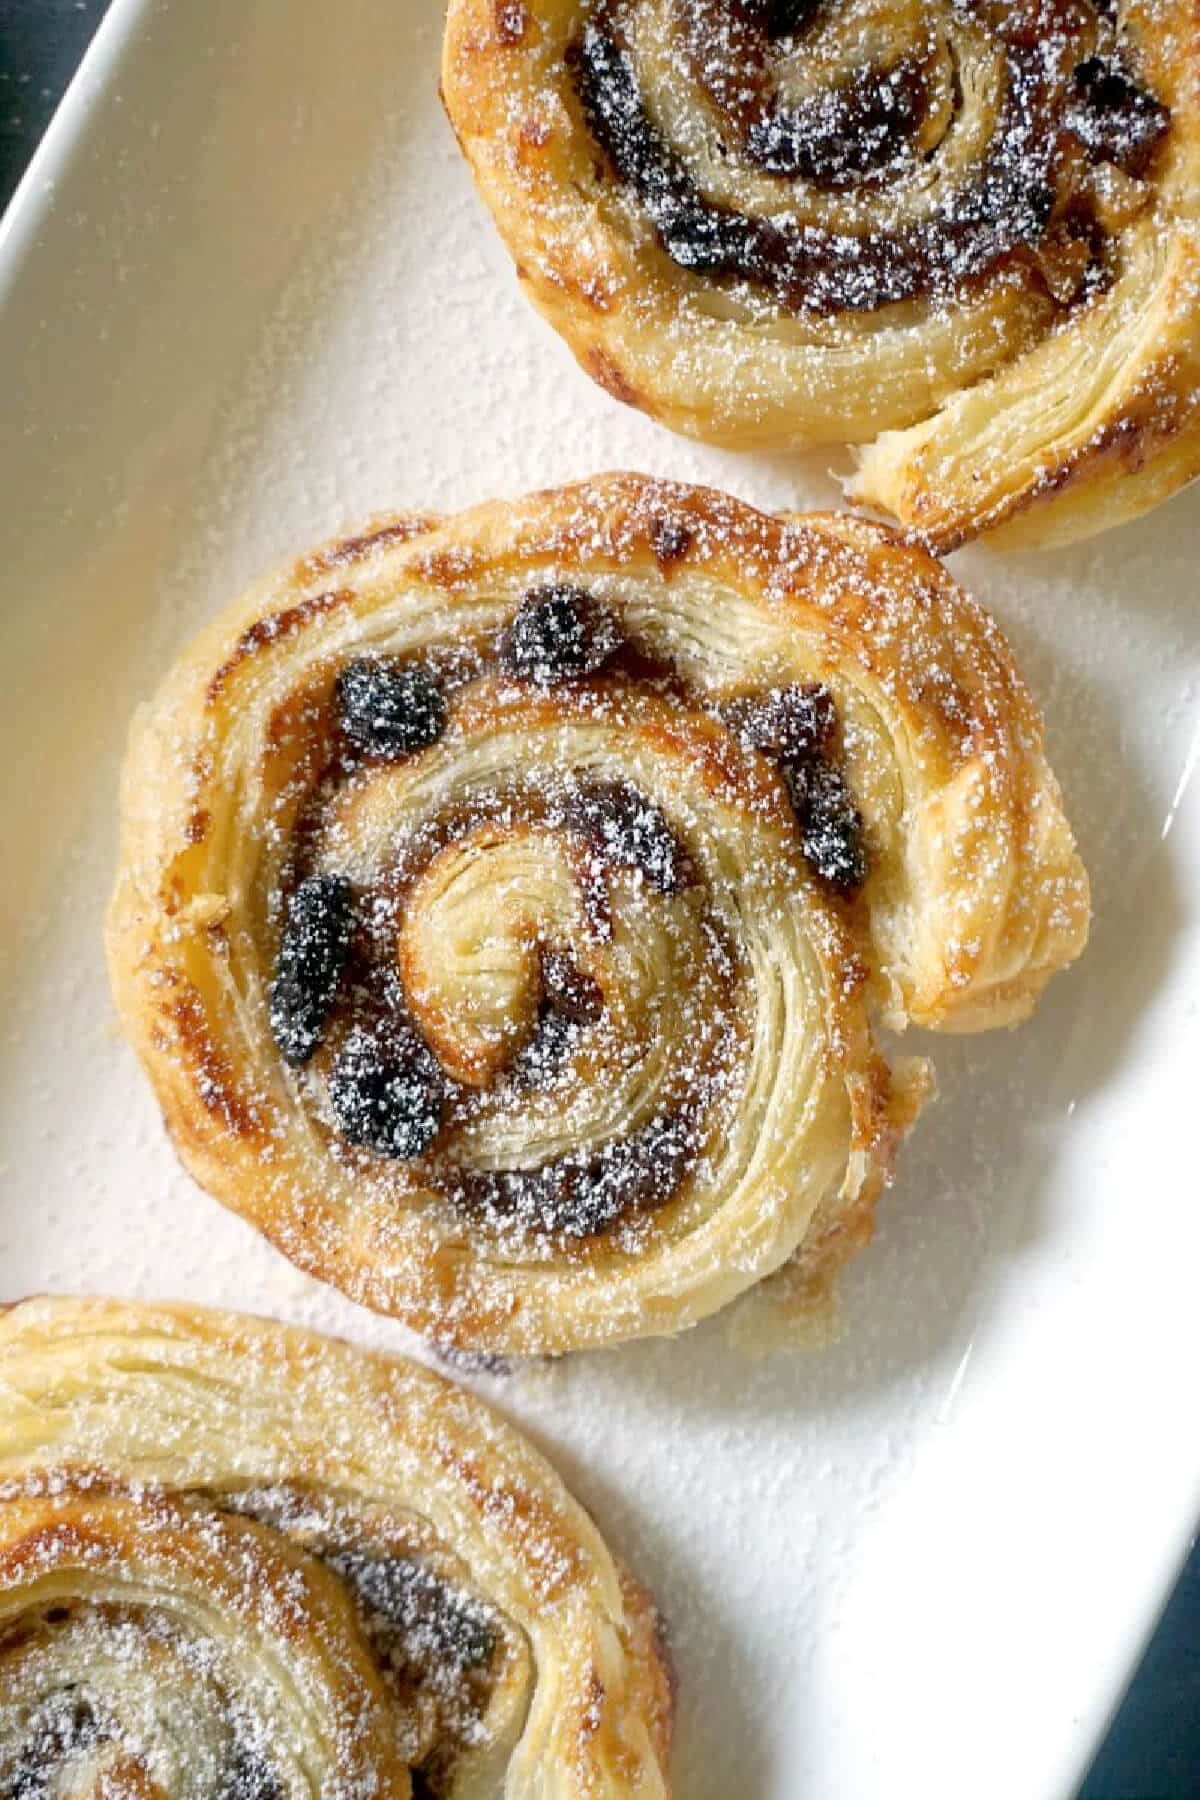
{"x":1038,"y":375}
{"x":235,"y":1550}
{"x":727,"y":1078}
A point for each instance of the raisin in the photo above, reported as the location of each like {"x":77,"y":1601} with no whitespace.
{"x":785,"y":723}
{"x":386,"y":1091}
{"x":542,"y":1059}
{"x":64,"y":1727}
{"x":390,"y":709}
{"x":631,"y":831}
{"x":781,"y":18}
{"x":577,"y":1197}
{"x":1114,"y":119}
{"x":247,"y":1776}
{"x":831,"y":827}
{"x":571,"y":1001}
{"x":568,"y":990}
{"x":787,"y":17}
{"x":559,"y":633}
{"x":639,"y":1172}
{"x":707,"y":240}
{"x":670,"y":539}
{"x":838,"y":138}
{"x":698,"y":236}
{"x":796,"y":726}
{"x":1006,"y":202}
{"x":414,"y":1617}
{"x":312,"y":954}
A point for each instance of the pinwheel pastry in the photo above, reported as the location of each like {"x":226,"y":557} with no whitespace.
{"x":504,"y":901}
{"x":241,"y":1562}
{"x":964,"y":234}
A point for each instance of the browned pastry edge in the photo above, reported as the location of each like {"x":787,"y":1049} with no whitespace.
{"x":997,"y":413}
{"x":251,"y":1402}
{"x":888,"y":625}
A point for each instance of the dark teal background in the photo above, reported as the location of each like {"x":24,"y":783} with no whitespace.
{"x":1153,"y":1750}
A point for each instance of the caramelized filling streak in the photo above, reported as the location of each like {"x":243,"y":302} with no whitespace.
{"x":339,"y":995}
{"x":857,"y":135}
{"x":426,"y":1635}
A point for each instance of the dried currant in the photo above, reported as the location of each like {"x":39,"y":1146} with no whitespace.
{"x":415,"y":1617}
{"x":571,"y":1001}
{"x":568,"y":990}
{"x":781,"y":18}
{"x":837,"y":138}
{"x":64,"y":1727}
{"x":248,"y":1776}
{"x":312,"y":954}
{"x":831,"y":827}
{"x":583,"y":1197}
{"x":641,"y":1172}
{"x":695,"y":234}
{"x":796,"y":726}
{"x":785,"y":723}
{"x":631,"y":831}
{"x":388,"y":708}
{"x":670,"y":539}
{"x":386,"y":1091}
{"x":1114,"y":119}
{"x":559,"y":633}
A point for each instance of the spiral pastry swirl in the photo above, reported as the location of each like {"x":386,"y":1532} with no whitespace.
{"x":241,"y":1562}
{"x":504,"y":902}
{"x":960,"y":234}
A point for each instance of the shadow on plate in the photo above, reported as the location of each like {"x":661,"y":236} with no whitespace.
{"x":976,"y":1182}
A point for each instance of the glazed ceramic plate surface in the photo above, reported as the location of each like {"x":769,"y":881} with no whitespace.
{"x":249,"y":297}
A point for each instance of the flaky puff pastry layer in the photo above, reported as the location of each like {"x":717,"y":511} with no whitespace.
{"x":620,"y":961}
{"x":963,"y":237}
{"x":245,"y":1560}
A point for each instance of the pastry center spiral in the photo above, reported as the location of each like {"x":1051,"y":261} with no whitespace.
{"x":518,"y":942}
{"x":256,"y":1646}
{"x":845,"y":156}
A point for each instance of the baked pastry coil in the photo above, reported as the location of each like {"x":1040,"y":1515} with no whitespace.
{"x":244,"y":1561}
{"x":504,"y":901}
{"x":963,"y":235}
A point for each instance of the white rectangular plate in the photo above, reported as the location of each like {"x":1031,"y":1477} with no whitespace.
{"x":249,"y":298}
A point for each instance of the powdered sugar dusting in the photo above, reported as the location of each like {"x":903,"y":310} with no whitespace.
{"x":347,"y":338}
